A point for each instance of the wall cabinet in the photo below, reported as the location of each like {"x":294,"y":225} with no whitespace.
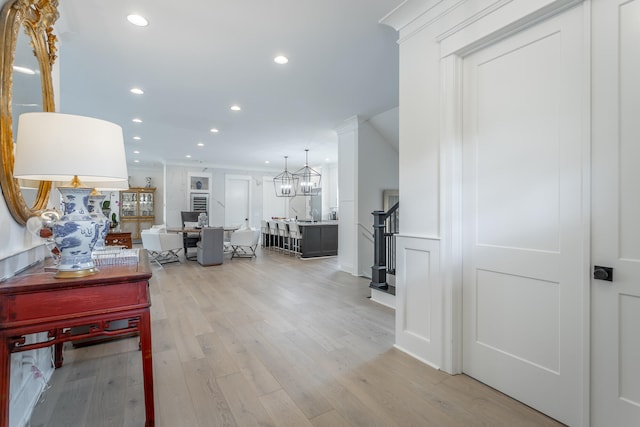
{"x":137,"y":210}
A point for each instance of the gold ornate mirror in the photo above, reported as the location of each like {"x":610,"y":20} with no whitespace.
{"x":27,"y":35}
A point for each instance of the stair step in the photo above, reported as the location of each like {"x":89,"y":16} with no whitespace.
{"x":389,"y":289}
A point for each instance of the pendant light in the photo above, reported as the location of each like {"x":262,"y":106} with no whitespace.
{"x":308,"y":180}
{"x":285,"y":183}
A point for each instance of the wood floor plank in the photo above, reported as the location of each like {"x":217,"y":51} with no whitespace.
{"x":251,"y":367}
{"x":174,"y":407}
{"x":400,"y":399}
{"x":105,"y":409}
{"x":187,"y":308}
{"x":220,"y":361}
{"x":73,"y":404}
{"x":48,"y":400}
{"x":161,"y":335}
{"x":247,"y":409}
{"x":272,"y":341}
{"x":490,"y":404}
{"x":186,"y":342}
{"x":294,"y":377}
{"x":283,"y":410}
{"x":134,"y":415}
{"x":257,"y":374}
{"x":330,"y":419}
{"x":354,"y":410}
{"x":210,"y":406}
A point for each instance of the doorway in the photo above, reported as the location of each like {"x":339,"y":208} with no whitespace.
{"x":237,"y":197}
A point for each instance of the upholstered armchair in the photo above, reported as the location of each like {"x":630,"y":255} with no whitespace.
{"x":244,"y":242}
{"x":210,"y":247}
{"x":163,"y":247}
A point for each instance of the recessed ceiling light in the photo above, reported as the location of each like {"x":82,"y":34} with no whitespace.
{"x":327,"y":159}
{"x":214,"y":130}
{"x":136,"y":120}
{"x":137,"y":91}
{"x":281,"y":60}
{"x":136,"y":152}
{"x":200,"y":144}
{"x":266,"y":162}
{"x":23,"y":70}
{"x":137,"y":138}
{"x":235,"y":108}
{"x":138,"y":20}
{"x":136,"y":161}
{"x":188,"y":156}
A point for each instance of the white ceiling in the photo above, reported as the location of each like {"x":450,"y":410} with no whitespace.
{"x":198,"y":57}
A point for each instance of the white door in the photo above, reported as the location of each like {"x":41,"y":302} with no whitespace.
{"x":524,"y":225}
{"x":615,"y":322}
{"x":237,"y":200}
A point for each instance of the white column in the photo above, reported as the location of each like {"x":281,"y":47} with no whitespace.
{"x":348,"y":195}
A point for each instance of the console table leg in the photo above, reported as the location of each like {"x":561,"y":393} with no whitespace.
{"x":57,"y":355}
{"x":147,"y":367}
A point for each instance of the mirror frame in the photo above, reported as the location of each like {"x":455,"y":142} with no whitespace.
{"x":36,"y":18}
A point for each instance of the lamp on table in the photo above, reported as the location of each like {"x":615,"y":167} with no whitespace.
{"x":61,"y":147}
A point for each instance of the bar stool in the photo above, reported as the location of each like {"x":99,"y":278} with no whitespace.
{"x":273,"y":235}
{"x":283,"y":233}
{"x":264,"y":230}
{"x":295,"y":238}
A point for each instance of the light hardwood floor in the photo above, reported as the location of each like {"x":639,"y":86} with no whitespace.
{"x":274,"y":341}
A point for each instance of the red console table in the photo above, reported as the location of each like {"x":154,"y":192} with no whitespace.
{"x":35,"y":301}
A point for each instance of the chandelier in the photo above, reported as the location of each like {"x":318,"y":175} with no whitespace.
{"x":285,"y":183}
{"x":308,"y":180}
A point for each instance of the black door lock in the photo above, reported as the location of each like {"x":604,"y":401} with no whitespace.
{"x":603,"y":273}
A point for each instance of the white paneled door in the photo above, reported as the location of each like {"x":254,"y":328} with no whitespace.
{"x":525,"y":298}
{"x":237,"y":200}
{"x":615,"y":345}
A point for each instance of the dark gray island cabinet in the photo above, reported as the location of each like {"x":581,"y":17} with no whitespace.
{"x":319,"y":239}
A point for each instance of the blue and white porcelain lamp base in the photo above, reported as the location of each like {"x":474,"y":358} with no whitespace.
{"x":75,"y":234}
{"x":95,"y":212}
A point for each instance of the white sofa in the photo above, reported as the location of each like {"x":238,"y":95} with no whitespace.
{"x":163,"y":247}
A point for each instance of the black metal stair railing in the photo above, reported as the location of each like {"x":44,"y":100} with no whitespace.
{"x":385,"y":228}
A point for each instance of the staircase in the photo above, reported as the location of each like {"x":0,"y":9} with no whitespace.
{"x":383,"y":270}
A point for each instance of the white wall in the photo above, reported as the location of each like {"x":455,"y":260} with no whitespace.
{"x":18,"y":247}
{"x":299,"y":208}
{"x":137,"y":178}
{"x":177,"y":197}
{"x":368,"y":165}
{"x":377,"y":171}
{"x":419,"y":135}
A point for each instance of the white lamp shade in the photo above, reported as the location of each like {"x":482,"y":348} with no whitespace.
{"x":57,"y":147}
{"x":108,"y":185}
{"x":98,"y":185}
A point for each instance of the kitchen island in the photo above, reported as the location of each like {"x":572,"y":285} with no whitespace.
{"x":318,"y":238}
